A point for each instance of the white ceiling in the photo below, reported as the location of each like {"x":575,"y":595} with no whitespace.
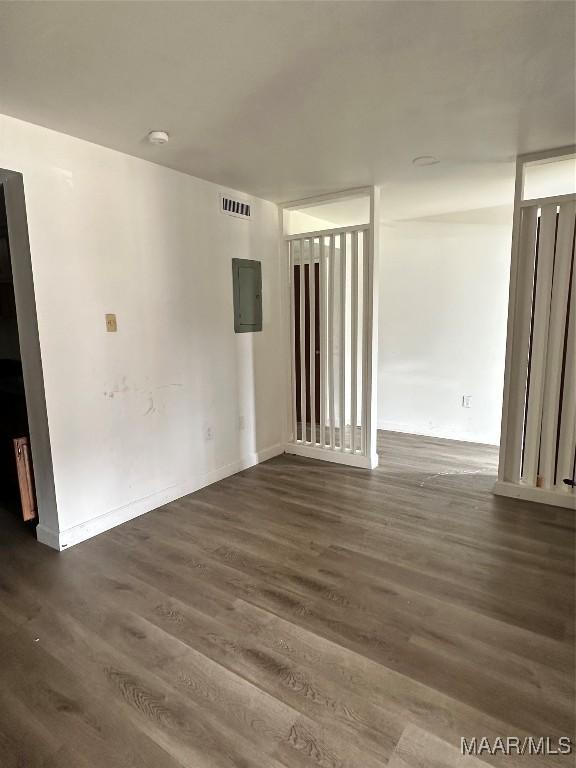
{"x":290,"y":99}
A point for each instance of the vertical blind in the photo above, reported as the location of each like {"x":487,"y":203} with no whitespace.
{"x":329,"y":279}
{"x":541,"y":447}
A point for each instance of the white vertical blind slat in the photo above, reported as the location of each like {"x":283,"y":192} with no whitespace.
{"x":312,"y":337}
{"x":555,"y":352}
{"x":292,"y":272}
{"x":519,"y":366}
{"x":342,"y":348}
{"x":323,"y":357}
{"x":353,"y":341}
{"x":365,"y":341}
{"x":331,"y":289}
{"x":541,"y":314}
{"x":567,"y":441}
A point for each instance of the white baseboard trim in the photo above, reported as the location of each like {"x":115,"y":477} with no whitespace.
{"x":47,"y":536}
{"x":392,"y":426}
{"x":556,"y":498}
{"x":70,"y":536}
{"x":335,"y":456}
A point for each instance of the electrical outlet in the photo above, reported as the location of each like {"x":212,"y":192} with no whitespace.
{"x":208,"y":434}
{"x":466,"y":401}
{"x":111,"y":324}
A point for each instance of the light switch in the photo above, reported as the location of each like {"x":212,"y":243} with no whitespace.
{"x":111,"y":324}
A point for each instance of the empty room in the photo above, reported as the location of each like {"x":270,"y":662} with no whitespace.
{"x":287,"y":384}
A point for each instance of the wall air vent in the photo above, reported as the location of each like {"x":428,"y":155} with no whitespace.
{"x":233,"y":207}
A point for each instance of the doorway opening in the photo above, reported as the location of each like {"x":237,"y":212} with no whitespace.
{"x":27,"y":497}
{"x":16,"y":477}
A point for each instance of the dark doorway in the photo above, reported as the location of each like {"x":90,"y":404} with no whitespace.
{"x":298,"y":351}
{"x":13,"y":413}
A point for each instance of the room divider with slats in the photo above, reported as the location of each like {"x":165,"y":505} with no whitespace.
{"x":331,"y":299}
{"x":538,"y":444}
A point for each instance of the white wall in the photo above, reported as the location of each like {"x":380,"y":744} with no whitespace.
{"x":442,"y":324}
{"x":297,"y":222}
{"x":128,"y":412}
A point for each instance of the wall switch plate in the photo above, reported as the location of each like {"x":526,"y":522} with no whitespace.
{"x":208,"y":434}
{"x":241,"y":422}
{"x":111,"y":324}
{"x":466,"y":401}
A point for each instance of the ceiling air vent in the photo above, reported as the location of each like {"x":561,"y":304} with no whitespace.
{"x":234,"y":207}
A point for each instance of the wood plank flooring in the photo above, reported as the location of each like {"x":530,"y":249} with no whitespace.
{"x":299,"y":614}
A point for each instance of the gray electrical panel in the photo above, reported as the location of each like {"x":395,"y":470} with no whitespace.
{"x":247,"y":285}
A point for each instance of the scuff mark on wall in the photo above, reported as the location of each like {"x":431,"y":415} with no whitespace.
{"x":123,"y":387}
{"x":118,"y":388}
{"x":146,"y":394}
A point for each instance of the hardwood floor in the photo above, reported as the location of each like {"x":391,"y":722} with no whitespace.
{"x":297,"y":614}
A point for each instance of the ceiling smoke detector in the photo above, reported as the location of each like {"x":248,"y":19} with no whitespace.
{"x":423,"y":160}
{"x":158,"y":137}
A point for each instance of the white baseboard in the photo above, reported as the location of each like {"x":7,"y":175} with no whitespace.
{"x":47,"y":536}
{"x":70,"y":536}
{"x":556,"y":498}
{"x":392,"y":426}
{"x":335,"y":456}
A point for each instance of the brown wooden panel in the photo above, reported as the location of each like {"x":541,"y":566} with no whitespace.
{"x":25,"y":477}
